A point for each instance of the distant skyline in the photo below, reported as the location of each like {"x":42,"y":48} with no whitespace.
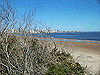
{"x":65,"y":15}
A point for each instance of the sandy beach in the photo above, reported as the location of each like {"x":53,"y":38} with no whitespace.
{"x":86,"y":53}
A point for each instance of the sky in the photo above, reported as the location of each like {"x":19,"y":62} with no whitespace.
{"x":64,"y":15}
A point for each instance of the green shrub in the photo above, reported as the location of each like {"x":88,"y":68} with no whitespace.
{"x":65,"y":67}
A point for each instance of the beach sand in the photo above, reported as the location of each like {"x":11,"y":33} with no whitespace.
{"x":87,"y":54}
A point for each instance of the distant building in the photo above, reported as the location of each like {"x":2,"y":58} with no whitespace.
{"x":58,"y":31}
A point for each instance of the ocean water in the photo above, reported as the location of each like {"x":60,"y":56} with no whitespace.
{"x":92,"y":36}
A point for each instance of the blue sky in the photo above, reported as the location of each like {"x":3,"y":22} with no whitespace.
{"x":65,"y":15}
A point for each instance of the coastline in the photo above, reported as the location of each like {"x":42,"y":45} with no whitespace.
{"x":70,"y":40}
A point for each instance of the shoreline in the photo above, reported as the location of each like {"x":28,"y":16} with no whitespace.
{"x":70,"y":40}
{"x":45,"y":35}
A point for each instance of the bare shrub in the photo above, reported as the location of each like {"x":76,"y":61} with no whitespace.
{"x":20,"y":54}
{"x":23,"y":54}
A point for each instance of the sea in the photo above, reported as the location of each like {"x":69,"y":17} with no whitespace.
{"x":91,"y":36}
